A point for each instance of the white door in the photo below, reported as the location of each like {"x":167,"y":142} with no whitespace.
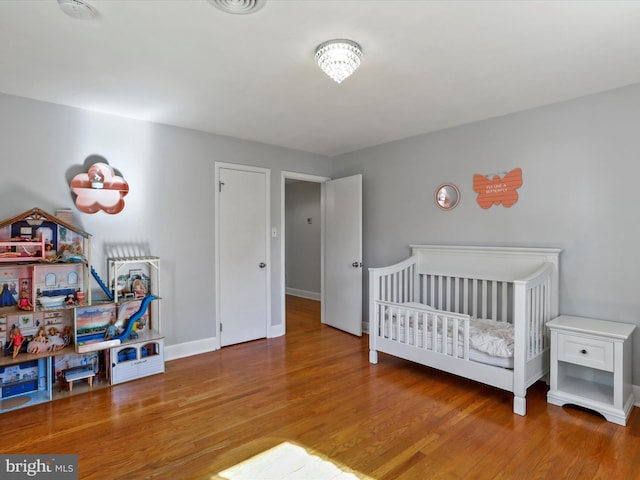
{"x":342,"y":302}
{"x":242,"y":254}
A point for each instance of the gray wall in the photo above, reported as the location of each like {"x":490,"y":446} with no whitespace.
{"x":303,"y":240}
{"x":580,"y":170}
{"x":170,"y":204}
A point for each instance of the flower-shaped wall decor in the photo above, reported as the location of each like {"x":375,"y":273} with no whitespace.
{"x":99,"y":189}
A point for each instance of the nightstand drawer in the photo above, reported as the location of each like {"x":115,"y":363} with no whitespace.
{"x":585,"y":351}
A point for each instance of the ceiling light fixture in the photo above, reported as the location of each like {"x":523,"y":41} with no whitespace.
{"x":238,"y":7}
{"x":78,"y":9}
{"x":338,"y":58}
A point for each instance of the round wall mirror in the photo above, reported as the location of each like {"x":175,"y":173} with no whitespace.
{"x":447,"y":196}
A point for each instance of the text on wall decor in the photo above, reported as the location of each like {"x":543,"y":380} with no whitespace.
{"x":498,"y":190}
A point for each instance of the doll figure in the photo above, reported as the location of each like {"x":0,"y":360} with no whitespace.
{"x":139,"y":290}
{"x":56,"y":341}
{"x":24,"y":303}
{"x":39,"y":343}
{"x":112,"y":330}
{"x":49,"y":253}
{"x":67,"y":336}
{"x":16,"y":340}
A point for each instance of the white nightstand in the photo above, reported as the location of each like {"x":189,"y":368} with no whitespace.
{"x":591,"y":366}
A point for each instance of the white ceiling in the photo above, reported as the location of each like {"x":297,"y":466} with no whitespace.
{"x":427,"y":65}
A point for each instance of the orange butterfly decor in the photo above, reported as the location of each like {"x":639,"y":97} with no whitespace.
{"x":498,"y":190}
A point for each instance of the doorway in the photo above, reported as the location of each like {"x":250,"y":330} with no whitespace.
{"x":294,"y":229}
{"x":340,"y":250}
{"x":303,"y":239}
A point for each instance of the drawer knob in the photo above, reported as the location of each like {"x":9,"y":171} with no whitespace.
{"x":583,"y":351}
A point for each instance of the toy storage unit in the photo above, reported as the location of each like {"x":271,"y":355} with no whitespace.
{"x":46,"y":261}
{"x":142,"y":356}
{"x":136,"y":360}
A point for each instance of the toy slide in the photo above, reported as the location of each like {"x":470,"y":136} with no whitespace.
{"x":135,"y":317}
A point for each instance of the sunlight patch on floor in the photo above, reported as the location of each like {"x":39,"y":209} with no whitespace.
{"x":288,"y":462}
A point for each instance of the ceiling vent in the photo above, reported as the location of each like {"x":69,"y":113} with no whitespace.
{"x":78,"y":9}
{"x":238,"y":7}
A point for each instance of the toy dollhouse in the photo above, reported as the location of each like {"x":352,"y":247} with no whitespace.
{"x":45,"y":284}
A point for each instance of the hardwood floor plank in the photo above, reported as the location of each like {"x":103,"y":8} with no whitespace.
{"x":316,"y":388}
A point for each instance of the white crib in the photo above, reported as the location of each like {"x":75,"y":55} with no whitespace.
{"x":423,"y":309}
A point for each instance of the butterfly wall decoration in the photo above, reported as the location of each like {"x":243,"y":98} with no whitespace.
{"x":497,"y":190}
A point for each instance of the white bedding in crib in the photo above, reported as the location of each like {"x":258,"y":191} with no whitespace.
{"x":490,"y":342}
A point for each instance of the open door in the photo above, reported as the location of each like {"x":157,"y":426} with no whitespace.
{"x":342,"y":289}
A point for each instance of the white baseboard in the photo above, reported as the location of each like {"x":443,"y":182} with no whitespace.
{"x":296,"y":292}
{"x":636,"y":394}
{"x":277,"y":331}
{"x":181,"y":350}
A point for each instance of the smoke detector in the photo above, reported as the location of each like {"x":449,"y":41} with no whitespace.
{"x":238,"y":7}
{"x":78,"y":9}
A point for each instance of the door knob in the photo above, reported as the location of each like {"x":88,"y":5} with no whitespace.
{"x":356,"y":264}
{"x":262,"y":265}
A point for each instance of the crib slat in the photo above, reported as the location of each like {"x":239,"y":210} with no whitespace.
{"x":505,"y":304}
{"x":538,"y":322}
{"x":474,"y":305}
{"x":484,"y":299}
{"x":434,"y":332}
{"x":494,"y":300}
{"x":535,"y":320}
{"x":454,"y":338}
{"x":443,"y":337}
{"x":466,"y":340}
{"x":395,"y":325}
{"x":465,"y":296}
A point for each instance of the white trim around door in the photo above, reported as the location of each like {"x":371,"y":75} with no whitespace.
{"x":281,"y":328}
{"x":267,"y":212}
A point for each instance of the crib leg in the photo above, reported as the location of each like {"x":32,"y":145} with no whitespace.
{"x":373,"y":356}
{"x":519,"y":405}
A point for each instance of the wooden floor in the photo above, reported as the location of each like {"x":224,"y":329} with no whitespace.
{"x":315,"y":388}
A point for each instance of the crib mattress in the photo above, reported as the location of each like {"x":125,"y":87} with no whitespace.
{"x":490,"y":342}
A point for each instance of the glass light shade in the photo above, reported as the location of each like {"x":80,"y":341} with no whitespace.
{"x":338,"y":58}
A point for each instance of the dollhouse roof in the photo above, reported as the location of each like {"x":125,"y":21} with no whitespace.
{"x":36,"y":214}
